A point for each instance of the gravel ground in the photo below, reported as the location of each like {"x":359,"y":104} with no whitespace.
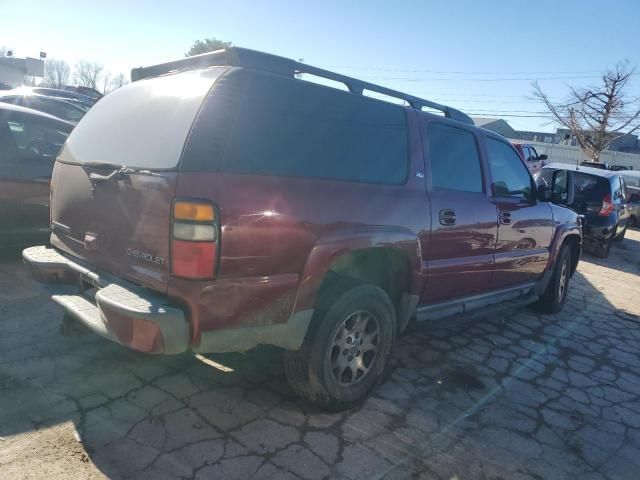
{"x":517,"y":395}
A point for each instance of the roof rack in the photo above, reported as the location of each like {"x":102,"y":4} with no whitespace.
{"x":243,"y":57}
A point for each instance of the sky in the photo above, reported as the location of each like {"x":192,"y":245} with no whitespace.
{"x":478,"y":56}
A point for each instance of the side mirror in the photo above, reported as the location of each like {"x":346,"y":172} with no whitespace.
{"x":543,"y":157}
{"x":545,"y":194}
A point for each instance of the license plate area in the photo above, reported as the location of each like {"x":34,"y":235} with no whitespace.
{"x":86,"y":283}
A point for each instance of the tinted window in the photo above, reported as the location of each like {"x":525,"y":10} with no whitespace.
{"x":57,"y":108}
{"x":544,"y":177}
{"x":454,"y":159}
{"x":589,"y":188}
{"x":258,"y":123}
{"x":36,"y":138}
{"x":510,"y":177}
{"x":560,"y":186}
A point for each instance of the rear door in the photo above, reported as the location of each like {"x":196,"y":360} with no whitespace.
{"x":525,"y":225}
{"x":115,"y":180}
{"x":463,"y":216}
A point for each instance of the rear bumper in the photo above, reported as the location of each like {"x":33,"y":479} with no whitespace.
{"x":115,"y":309}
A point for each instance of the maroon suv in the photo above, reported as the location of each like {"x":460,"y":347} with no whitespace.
{"x":223,"y":201}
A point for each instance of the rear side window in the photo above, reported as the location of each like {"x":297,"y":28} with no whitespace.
{"x":257,"y":123}
{"x":510,"y":177}
{"x":454,"y":159}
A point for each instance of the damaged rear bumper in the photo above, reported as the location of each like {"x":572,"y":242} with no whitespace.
{"x":115,"y":309}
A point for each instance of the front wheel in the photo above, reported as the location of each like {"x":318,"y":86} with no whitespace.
{"x":555,"y":295}
{"x":346,"y":350}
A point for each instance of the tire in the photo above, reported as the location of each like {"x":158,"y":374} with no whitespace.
{"x":555,"y":295}
{"x":602,"y":251}
{"x":621,"y":235}
{"x":325,"y":370}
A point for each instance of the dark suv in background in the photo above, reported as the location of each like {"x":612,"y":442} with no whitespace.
{"x":599,"y":195}
{"x":223,"y":201}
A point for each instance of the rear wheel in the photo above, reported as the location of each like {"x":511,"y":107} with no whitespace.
{"x":555,"y":295}
{"x":347,"y":348}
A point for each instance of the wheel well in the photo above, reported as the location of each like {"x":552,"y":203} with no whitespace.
{"x":573,"y":242}
{"x":387,"y":268}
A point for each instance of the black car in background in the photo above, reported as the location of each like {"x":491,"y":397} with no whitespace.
{"x":62,"y":108}
{"x":77,"y":98}
{"x":599,"y":195}
{"x":29,"y":144}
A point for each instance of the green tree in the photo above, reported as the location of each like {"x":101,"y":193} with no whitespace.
{"x":206,"y":45}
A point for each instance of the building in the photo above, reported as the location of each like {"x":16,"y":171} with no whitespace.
{"x":545,"y":137}
{"x":13,"y":70}
{"x":497,"y":125}
{"x":624,"y":143}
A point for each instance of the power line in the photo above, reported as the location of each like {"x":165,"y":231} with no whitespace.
{"x":449,"y":79}
{"x":458,"y":72}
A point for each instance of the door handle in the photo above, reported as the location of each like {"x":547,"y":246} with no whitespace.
{"x":46,"y":180}
{"x":447,"y":217}
{"x":505,"y":218}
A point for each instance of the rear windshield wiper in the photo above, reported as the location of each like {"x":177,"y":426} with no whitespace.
{"x":119,"y":171}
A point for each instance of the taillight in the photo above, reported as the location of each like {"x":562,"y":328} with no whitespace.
{"x":194,"y":239}
{"x":607,"y":206}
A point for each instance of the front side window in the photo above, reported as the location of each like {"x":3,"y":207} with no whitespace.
{"x":453,"y":156}
{"x":510,"y":177}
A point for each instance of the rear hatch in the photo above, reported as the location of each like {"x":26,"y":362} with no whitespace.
{"x":115,"y":179}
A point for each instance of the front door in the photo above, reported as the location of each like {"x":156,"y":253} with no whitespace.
{"x":525,"y":225}
{"x":463,"y":216}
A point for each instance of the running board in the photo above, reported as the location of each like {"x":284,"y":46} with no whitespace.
{"x":466,"y":309}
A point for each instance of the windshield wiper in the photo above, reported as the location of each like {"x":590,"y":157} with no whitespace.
{"x":119,"y":172}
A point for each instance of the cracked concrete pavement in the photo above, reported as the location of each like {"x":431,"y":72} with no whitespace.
{"x":517,"y":395}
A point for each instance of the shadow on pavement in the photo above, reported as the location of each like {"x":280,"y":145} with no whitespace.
{"x":517,"y":395}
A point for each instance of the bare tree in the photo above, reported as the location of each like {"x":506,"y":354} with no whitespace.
{"x":56,"y":73}
{"x":596,"y":116}
{"x":118,"y":81}
{"x":106,"y":83}
{"x":88,"y":74}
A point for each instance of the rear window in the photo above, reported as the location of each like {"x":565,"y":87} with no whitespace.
{"x":143,"y":124}
{"x":257,"y":123}
{"x":590,"y":188}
